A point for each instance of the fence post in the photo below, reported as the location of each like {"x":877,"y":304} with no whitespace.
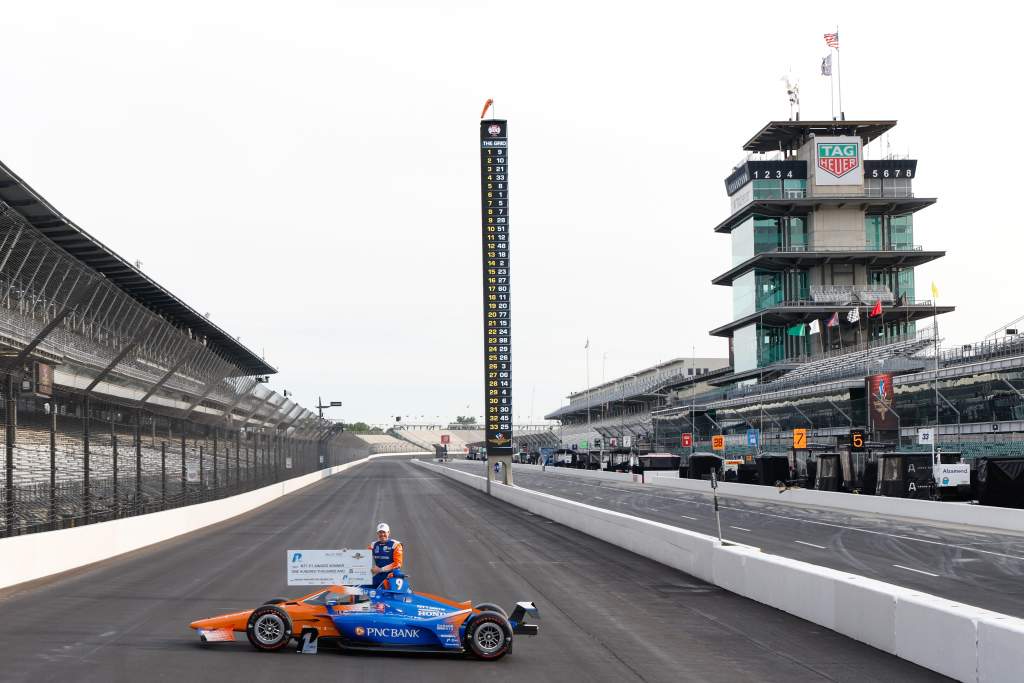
{"x":138,"y":460}
{"x":11,"y":421}
{"x":214,"y":462}
{"x":238,"y":444}
{"x":53,"y":463}
{"x":184,"y":468}
{"x":113,"y":444}
{"x":202,"y":476}
{"x":86,"y":489}
{"x":163,"y":475}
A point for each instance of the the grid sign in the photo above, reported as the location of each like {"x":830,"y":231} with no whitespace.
{"x":497,"y":286}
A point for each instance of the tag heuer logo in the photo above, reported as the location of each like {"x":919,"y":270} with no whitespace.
{"x":838,"y":159}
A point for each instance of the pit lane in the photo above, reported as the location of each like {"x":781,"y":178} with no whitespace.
{"x":606,"y":614}
{"x":966,"y":564}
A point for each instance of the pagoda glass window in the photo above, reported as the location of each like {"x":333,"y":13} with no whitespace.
{"x":743,"y":241}
{"x":767,"y":189}
{"x":888,"y":187}
{"x":889,"y":232}
{"x":776,"y":188}
{"x":794,"y":189}
{"x":900,"y":281}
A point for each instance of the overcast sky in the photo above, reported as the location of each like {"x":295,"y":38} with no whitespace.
{"x":308,"y":172}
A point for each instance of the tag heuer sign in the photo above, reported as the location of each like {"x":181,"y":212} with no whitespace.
{"x":838,"y":161}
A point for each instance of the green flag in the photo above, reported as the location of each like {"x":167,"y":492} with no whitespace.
{"x":797,"y":330}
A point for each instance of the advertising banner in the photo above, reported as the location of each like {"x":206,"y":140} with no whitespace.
{"x":952,"y":475}
{"x":837,"y":161}
{"x":686,"y":439}
{"x":329,"y":567}
{"x":192,"y":473}
{"x":881,"y":402}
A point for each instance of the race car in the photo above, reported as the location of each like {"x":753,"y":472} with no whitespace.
{"x":390,"y":618}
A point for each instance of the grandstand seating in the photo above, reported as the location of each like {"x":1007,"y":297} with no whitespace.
{"x":385,"y":443}
{"x":858,"y":362}
{"x":851,"y":294}
{"x":426,"y":439}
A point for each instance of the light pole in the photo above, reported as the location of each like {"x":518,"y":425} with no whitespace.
{"x":320,"y":405}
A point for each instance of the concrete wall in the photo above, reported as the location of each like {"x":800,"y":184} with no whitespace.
{"x":963,"y":642}
{"x":33,"y":556}
{"x":985,"y":516}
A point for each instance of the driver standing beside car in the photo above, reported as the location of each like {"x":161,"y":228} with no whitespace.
{"x":387,"y":555}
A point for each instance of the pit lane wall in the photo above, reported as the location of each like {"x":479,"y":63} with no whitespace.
{"x":985,"y":516}
{"x":963,"y":642}
{"x":34,"y":556}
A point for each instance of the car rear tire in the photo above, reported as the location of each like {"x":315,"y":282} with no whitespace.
{"x":491,"y":607}
{"x":269,"y":628}
{"x":489,"y":636}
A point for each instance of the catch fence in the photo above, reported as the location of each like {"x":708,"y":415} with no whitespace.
{"x":112,"y":406}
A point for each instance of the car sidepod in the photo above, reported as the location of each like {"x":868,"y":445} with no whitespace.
{"x":402,"y":621}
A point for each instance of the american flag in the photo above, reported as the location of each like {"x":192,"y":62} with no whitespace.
{"x":832,"y":40}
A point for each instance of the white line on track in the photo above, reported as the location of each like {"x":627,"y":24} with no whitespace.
{"x":911,"y":569}
{"x":814,"y":521}
{"x":813,"y":545}
{"x":738,"y":527}
{"x":689,"y":517}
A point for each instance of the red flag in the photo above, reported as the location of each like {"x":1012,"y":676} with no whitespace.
{"x":877,"y":310}
{"x":834,"y":320}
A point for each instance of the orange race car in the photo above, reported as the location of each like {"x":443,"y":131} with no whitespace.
{"x":392,"y":617}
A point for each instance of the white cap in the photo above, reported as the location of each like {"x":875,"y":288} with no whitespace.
{"x":383,"y":527}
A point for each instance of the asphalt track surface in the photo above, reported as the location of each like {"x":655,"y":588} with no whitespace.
{"x":606,"y":614}
{"x":977,"y":567}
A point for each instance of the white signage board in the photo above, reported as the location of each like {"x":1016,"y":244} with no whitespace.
{"x":838,"y":161}
{"x":288,"y":462}
{"x":192,"y":473}
{"x":926,"y":436}
{"x":731,"y":465}
{"x":329,"y":567}
{"x":627,"y":441}
{"x":952,"y":475}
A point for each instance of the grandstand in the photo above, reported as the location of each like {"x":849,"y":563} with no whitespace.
{"x":425,"y":439}
{"x":622,"y":407}
{"x":121,"y":398}
{"x":386,"y":443}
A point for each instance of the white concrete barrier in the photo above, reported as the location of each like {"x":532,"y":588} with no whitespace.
{"x":966,"y":643}
{"x":33,"y":556}
{"x":940,"y":634}
{"x":986,"y":516}
{"x":1000,"y":655}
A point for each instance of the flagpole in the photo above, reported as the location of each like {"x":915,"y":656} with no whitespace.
{"x":935,"y":379}
{"x":832,"y":89}
{"x":839,"y":76}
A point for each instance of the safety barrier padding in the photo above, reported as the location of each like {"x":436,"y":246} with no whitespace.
{"x":963,"y":642}
{"x":50,"y":552}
